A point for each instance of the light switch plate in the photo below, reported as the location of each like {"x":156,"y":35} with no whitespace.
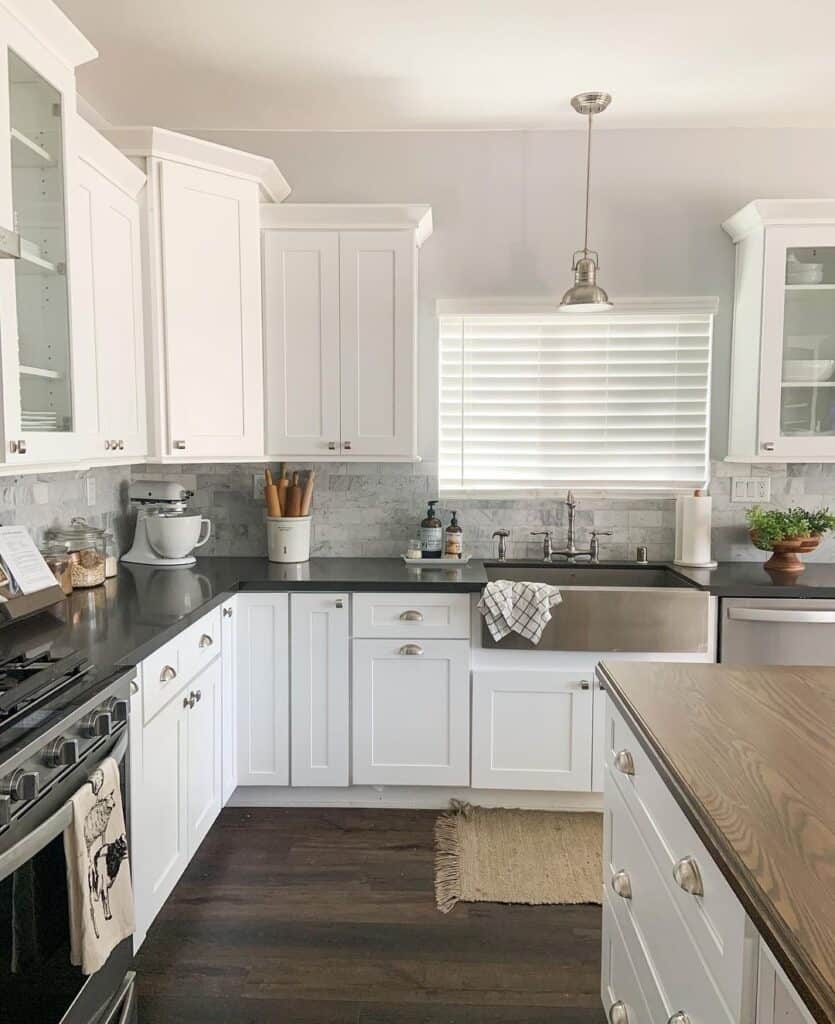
{"x":751,"y":489}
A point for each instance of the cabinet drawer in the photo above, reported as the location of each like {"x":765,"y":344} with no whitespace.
{"x":438,"y":616}
{"x":163,"y":676}
{"x":200,"y":643}
{"x":626,"y":976}
{"x":716,"y":919}
{"x":642,"y":903}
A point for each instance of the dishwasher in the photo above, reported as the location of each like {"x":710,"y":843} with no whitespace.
{"x":769,"y":631}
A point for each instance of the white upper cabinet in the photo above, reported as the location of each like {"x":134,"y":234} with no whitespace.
{"x":783,"y":364}
{"x":340,"y":326}
{"x":107,"y":294}
{"x":203,"y":292}
{"x":47,"y":415}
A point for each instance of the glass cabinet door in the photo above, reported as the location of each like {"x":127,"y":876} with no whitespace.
{"x":798,"y":352}
{"x":39,"y":205}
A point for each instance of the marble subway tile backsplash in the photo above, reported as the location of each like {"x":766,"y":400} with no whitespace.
{"x":374,"y":508}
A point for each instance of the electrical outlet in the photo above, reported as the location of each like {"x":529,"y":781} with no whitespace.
{"x":90,"y":485}
{"x":751,"y":489}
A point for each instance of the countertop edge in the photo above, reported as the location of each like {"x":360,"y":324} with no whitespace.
{"x":801,"y":971}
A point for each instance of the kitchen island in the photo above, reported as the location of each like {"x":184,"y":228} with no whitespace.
{"x":748,"y":756}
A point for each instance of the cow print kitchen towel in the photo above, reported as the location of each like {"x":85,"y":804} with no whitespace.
{"x":98,"y":872}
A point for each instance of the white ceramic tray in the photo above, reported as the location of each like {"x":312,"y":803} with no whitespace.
{"x":436,"y":563}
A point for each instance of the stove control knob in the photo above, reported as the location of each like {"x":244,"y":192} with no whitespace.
{"x":5,"y":810}
{"x":21,"y":785}
{"x":118,"y":708}
{"x":97,"y":723}
{"x":61,"y":752}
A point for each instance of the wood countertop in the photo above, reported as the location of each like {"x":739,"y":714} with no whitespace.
{"x":749,"y":754}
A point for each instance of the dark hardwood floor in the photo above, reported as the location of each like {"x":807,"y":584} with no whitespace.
{"x":328,"y":916}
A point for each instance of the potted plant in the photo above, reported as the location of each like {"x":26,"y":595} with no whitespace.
{"x":787,"y":533}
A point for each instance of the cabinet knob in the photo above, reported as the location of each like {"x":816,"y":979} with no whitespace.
{"x":618,"y":1014}
{"x":17,"y":447}
{"x":411,"y":649}
{"x":585,"y":684}
{"x":168,"y":673}
{"x":679,"y":1017}
{"x":347,"y":446}
{"x":624,"y":762}
{"x":687,"y":875}
{"x":340,"y":603}
{"x":180,"y":446}
{"x":107,"y":446}
{"x":205,"y":641}
{"x":121,"y":446}
{"x":331,"y":446}
{"x":196,"y":696}
{"x":768,"y":446}
{"x":227,"y":612}
{"x":622,"y":885}
{"x":188,"y":702}
{"x":411,"y":616}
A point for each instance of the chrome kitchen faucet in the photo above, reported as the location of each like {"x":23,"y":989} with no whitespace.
{"x":571,"y":551}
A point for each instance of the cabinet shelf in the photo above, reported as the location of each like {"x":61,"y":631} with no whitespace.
{"x":31,"y":261}
{"x":810,"y":287}
{"x":38,"y":371}
{"x":808,"y":384}
{"x":44,"y":157}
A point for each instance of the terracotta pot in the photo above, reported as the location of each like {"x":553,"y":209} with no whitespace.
{"x":785,"y":556}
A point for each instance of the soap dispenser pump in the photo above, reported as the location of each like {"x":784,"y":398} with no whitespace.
{"x":431,"y":533}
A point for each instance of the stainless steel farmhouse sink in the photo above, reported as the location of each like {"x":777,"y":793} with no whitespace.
{"x":612,"y":608}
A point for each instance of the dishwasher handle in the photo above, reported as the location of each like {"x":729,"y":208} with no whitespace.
{"x":781,"y":615}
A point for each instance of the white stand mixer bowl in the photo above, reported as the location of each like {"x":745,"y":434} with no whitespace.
{"x":176,"y":536}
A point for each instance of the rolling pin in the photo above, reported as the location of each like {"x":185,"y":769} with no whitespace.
{"x":283,"y":484}
{"x":294,"y":498}
{"x":307,"y":493}
{"x":271,"y":496}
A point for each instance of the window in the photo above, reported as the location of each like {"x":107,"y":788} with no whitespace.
{"x":535,"y":400}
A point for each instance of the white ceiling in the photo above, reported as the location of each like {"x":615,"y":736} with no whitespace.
{"x":411,"y":64}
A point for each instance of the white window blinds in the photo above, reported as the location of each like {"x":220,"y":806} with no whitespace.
{"x":605,"y":401}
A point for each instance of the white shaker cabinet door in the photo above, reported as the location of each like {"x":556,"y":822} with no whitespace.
{"x":204,"y":753}
{"x":229,"y":707}
{"x":319,"y":690}
{"x":301,"y":342}
{"x":777,"y":1000}
{"x":411,"y":712}
{"x":159,"y":812}
{"x":108,"y":305}
{"x":378,"y":298}
{"x":212,"y":313}
{"x":263,"y":682}
{"x":532,"y":730}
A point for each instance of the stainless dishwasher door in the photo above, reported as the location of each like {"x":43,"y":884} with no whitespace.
{"x":777,"y":632}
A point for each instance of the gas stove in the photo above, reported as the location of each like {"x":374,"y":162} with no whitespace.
{"x":56,"y":709}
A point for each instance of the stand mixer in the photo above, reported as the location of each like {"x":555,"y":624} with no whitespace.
{"x":166,"y":532}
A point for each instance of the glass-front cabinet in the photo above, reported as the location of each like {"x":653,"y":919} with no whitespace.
{"x":783,"y":364}
{"x":41,"y":361}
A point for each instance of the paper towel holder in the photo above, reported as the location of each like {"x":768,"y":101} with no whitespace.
{"x":693,"y":529}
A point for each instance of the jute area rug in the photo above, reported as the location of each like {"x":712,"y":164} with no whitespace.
{"x":486,"y":854}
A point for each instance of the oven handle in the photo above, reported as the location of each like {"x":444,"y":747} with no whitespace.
{"x":32,"y":843}
{"x":779,"y":615}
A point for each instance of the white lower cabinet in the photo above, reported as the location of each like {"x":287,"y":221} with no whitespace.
{"x":319,"y":690}
{"x":411,"y":712}
{"x":263,"y":683}
{"x":175,"y":788}
{"x":532,"y":730}
{"x":229,"y":700}
{"x":777,"y":1001}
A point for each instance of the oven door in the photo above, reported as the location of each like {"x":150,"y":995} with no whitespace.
{"x":37,"y":980}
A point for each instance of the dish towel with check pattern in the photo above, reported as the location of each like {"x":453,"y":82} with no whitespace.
{"x":518,"y":607}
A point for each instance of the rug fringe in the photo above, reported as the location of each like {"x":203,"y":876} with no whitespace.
{"x":447,"y":874}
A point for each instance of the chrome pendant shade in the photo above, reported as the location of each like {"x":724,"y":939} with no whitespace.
{"x":586,"y":294}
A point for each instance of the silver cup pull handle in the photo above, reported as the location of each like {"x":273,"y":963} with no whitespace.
{"x":622,"y":885}
{"x":411,"y":616}
{"x":618,"y":1014}
{"x":624,"y":762}
{"x":205,"y":641}
{"x":412,"y":649}
{"x":679,"y":1017}
{"x":168,"y":673}
{"x":687,"y":875}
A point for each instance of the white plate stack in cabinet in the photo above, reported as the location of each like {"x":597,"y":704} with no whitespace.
{"x":203,"y":292}
{"x":340,"y":329}
{"x":782,"y":405}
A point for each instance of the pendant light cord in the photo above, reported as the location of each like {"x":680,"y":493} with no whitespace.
{"x":588,"y":186}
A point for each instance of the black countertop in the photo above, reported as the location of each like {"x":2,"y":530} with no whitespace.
{"x":123,"y":621}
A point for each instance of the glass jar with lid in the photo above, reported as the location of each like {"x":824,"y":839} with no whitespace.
{"x":87,"y":549}
{"x":59,"y":560}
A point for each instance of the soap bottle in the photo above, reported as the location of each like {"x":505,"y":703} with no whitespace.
{"x":454,"y":539}
{"x":431,"y":533}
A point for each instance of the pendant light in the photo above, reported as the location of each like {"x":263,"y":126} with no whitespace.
{"x":585,"y":295}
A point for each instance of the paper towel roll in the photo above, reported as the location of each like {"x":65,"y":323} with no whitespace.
{"x":693,"y":531}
